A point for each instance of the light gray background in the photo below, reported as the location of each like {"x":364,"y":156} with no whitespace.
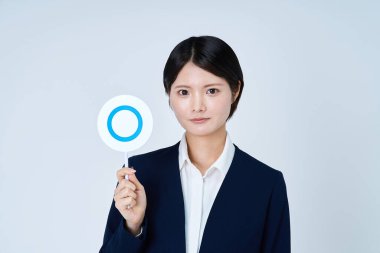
{"x":310,"y":108}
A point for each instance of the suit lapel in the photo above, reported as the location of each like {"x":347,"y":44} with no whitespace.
{"x":173,"y":201}
{"x":220,"y":220}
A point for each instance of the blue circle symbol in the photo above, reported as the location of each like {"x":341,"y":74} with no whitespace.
{"x":139,"y":119}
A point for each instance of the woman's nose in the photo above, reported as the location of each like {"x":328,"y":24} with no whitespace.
{"x":198,"y":103}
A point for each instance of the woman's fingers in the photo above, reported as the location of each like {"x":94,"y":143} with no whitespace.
{"x":128,"y":203}
{"x":130,"y":198}
{"x":125,"y":203}
{"x":131,"y":178}
{"x":126,"y":192}
{"x":125,"y":184}
{"x":130,"y":185}
{"x":122,"y":172}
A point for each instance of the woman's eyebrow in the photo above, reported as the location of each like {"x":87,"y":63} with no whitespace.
{"x":181,"y":86}
{"x":205,"y":86}
{"x":212,"y":84}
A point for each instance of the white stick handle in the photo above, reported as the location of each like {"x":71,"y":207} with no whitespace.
{"x":126,"y":163}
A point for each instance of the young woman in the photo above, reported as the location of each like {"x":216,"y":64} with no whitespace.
{"x":203,"y":194}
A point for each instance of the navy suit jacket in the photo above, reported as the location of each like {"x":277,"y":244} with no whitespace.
{"x":250,"y":212}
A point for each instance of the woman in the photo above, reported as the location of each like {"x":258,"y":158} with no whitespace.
{"x":202,"y":194}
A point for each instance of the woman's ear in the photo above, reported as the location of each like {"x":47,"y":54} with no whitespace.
{"x":236,"y":94}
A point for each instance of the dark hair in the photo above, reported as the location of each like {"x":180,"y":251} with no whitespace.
{"x":211,"y":54}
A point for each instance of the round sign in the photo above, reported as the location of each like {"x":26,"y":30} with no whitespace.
{"x":125,"y":123}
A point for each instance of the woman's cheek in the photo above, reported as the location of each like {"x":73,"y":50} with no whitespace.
{"x":223,"y":107}
{"x":180,"y":114}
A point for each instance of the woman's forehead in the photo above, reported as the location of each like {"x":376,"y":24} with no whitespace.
{"x":194,"y":76}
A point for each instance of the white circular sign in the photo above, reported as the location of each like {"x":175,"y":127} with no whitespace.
{"x":125,"y":123}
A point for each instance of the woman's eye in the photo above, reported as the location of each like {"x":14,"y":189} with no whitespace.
{"x":183,"y":92}
{"x":212,"y":91}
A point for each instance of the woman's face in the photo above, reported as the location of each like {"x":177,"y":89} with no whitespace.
{"x":200,"y":100}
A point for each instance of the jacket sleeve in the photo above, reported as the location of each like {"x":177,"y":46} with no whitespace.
{"x":276,"y":237}
{"x":117,"y":238}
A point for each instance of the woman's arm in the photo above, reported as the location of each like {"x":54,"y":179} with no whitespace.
{"x":276,"y":238}
{"x":116,"y":236}
{"x":126,"y":216}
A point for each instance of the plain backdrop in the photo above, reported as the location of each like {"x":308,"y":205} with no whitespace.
{"x":310,"y":108}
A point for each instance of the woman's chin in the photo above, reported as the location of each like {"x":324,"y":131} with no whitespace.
{"x":205,"y":131}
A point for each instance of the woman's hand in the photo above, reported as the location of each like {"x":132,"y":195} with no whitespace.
{"x":130,"y":199}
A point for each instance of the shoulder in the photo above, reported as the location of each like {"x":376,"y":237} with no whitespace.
{"x":259,"y":179}
{"x":254,"y":168}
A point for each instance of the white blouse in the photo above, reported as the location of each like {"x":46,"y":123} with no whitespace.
{"x":199,"y":191}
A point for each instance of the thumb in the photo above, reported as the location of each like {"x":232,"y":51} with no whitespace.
{"x":123,"y":172}
{"x":133,"y":179}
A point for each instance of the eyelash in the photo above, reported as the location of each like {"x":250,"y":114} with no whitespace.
{"x":216,"y":91}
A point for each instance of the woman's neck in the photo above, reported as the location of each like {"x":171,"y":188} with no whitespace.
{"x":204,"y":150}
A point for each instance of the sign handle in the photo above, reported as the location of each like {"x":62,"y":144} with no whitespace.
{"x":126,"y":163}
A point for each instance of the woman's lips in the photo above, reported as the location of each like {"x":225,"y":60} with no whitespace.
{"x":199,"y":120}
